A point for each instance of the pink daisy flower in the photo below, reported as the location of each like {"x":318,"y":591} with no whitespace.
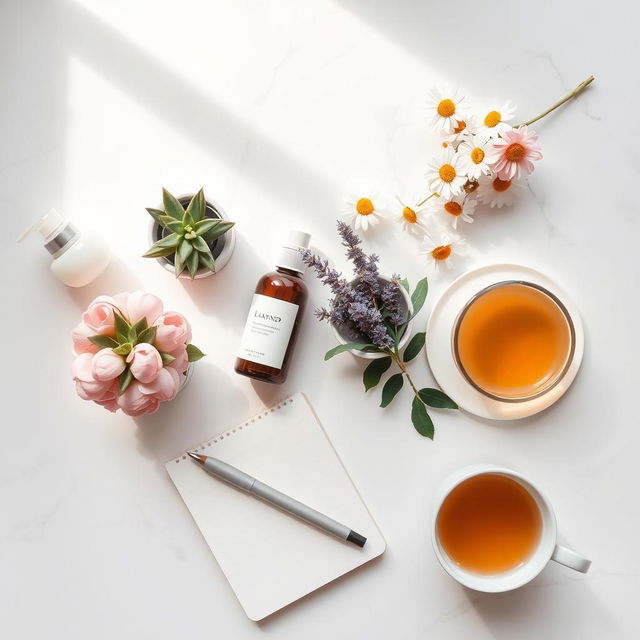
{"x":510,"y":155}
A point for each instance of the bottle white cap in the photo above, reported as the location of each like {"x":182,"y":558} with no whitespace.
{"x":48,"y":226}
{"x":290,"y":256}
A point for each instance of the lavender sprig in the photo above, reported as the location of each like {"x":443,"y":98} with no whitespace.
{"x":372,"y":307}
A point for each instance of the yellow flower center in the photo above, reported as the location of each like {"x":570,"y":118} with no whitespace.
{"x":409,"y":215}
{"x":364,"y":206}
{"x":441,"y":253}
{"x":453,"y":208}
{"x":501,"y":185}
{"x":446,"y":108}
{"x":447,"y":173}
{"x":477,"y":155}
{"x":462,"y":125}
{"x":445,"y":145}
{"x":515,"y":152}
{"x":492,"y":118}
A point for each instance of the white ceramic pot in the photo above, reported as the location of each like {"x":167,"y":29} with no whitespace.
{"x":221,"y":259}
{"x":374,"y":355}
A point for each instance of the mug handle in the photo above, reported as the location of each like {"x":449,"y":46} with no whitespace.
{"x":570,"y":558}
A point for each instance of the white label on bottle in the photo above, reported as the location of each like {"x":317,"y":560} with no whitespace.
{"x":268,"y":330}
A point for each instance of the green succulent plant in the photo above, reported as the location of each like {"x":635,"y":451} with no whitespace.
{"x":190,"y":234}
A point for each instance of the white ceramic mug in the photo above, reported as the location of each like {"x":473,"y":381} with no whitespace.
{"x":547,"y":549}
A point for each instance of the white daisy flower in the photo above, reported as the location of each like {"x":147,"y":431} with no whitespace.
{"x":498,"y":193}
{"x":447,"y":177}
{"x":439,"y":251}
{"x":412,"y":217}
{"x":462,"y":131}
{"x":495,"y":121}
{"x":362,"y":213}
{"x":473,"y":157}
{"x":461,"y":207}
{"x":447,"y":107}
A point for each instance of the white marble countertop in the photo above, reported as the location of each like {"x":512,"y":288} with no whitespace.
{"x":281,"y":109}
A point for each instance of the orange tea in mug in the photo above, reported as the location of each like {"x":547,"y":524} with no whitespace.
{"x":513,"y":341}
{"x":489,"y":524}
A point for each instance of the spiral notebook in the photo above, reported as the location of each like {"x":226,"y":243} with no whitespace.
{"x":270,"y":558}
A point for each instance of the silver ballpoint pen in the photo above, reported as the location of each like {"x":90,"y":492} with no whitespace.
{"x":244,"y":481}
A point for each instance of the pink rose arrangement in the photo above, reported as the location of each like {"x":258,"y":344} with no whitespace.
{"x":130,"y":353}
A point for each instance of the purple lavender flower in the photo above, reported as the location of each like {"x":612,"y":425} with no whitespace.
{"x":364,"y":305}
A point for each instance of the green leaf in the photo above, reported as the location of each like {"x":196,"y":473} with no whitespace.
{"x":405,"y":284}
{"x":104,"y":342}
{"x":421,"y":420}
{"x":218,"y":230}
{"x":200,"y":245}
{"x":202,"y":226}
{"x":172,"y":206}
{"x":167,"y":358}
{"x":207,"y":261}
{"x":192,"y":262}
{"x":360,"y":346}
{"x":123,"y":349}
{"x":197,"y":206}
{"x":419,"y":296}
{"x":179,"y":264}
{"x":185,"y":249}
{"x":391,"y":388}
{"x":148,"y":335}
{"x":415,"y":345}
{"x":156,"y":214}
{"x":137,"y":329}
{"x":122,"y":327}
{"x":436,"y":398}
{"x":173,"y":225}
{"x":164,"y":247}
{"x":374,"y":371}
{"x":193,"y":353}
{"x":124,"y":380}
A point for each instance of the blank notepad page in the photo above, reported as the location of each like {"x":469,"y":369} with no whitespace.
{"x":269,"y":557}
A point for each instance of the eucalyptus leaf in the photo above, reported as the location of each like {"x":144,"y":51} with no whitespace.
{"x":391,"y":388}
{"x":405,"y":284}
{"x":419,"y":296}
{"x":193,"y":353}
{"x":373,"y":372}
{"x":167,"y":358}
{"x":124,"y":380}
{"x":192,"y":263}
{"x":420,"y":418}
{"x":341,"y":348}
{"x":414,"y":347}
{"x":436,"y":398}
{"x":104,"y":342}
{"x":172,"y":206}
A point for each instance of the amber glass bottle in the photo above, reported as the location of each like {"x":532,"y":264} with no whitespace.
{"x":276,"y":311}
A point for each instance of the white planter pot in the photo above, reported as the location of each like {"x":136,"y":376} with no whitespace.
{"x":374,"y":355}
{"x":221,"y":259}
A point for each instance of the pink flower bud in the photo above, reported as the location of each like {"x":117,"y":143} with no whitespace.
{"x":107,"y":365}
{"x":145,"y":362}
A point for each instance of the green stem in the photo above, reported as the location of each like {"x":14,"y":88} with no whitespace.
{"x":427,"y":198}
{"x":579,"y":89}
{"x":403,"y":368}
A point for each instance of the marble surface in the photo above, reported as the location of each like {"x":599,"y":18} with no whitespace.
{"x":281,"y":109}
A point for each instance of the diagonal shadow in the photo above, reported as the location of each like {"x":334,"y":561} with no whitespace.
{"x":190,"y":110}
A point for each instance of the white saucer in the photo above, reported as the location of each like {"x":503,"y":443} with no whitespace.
{"x":440,"y":356}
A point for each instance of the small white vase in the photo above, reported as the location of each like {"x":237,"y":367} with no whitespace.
{"x":374,"y":355}
{"x":221,"y":260}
